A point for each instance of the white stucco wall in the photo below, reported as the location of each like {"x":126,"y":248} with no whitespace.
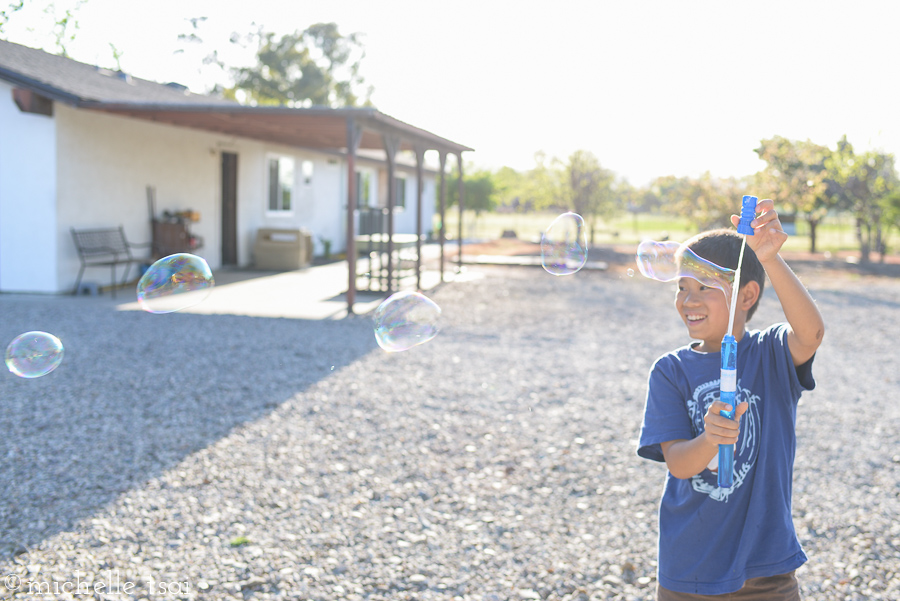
{"x":28,"y":240}
{"x":330,"y":218}
{"x":105,"y":164}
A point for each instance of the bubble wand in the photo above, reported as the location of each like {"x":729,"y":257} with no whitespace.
{"x":728,"y":373}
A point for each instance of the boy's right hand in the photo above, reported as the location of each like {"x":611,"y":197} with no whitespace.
{"x":768,"y":233}
{"x":718,"y":429}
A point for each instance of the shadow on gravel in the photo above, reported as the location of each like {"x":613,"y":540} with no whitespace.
{"x":135,"y":394}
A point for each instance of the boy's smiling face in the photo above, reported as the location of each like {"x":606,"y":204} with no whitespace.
{"x":704,"y":311}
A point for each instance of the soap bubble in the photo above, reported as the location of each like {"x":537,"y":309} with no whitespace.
{"x":34,"y":354}
{"x":668,"y":261}
{"x":564,"y":245}
{"x":174,"y":283}
{"x":630,"y":272}
{"x":404,"y":320}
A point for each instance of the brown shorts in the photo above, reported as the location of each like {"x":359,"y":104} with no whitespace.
{"x":769,"y":588}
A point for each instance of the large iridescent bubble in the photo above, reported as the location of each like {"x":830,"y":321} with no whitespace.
{"x":404,"y":320}
{"x":668,"y":261}
{"x":174,"y":283}
{"x":34,"y":354}
{"x":564,"y":247}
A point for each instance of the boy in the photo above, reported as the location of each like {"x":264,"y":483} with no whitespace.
{"x":740,"y":540}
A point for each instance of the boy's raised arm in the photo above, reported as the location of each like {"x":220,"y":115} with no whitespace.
{"x":806,"y":324}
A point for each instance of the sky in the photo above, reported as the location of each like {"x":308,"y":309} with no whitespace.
{"x":651,"y":88}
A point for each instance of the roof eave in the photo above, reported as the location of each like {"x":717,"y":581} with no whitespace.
{"x":366,"y":116}
{"x":46,"y":90}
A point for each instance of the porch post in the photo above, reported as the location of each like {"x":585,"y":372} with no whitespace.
{"x":354,"y":135}
{"x":420,"y":186}
{"x":462,"y":204}
{"x":391,"y":146}
{"x":443,"y":195}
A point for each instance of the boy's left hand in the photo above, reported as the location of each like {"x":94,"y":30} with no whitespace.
{"x":768,"y":236}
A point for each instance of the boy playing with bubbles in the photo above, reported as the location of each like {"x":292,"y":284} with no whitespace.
{"x":738,"y":541}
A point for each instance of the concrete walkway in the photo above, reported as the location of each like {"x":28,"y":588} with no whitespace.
{"x":316,"y":292}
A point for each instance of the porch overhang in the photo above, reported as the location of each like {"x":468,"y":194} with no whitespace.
{"x":316,"y":127}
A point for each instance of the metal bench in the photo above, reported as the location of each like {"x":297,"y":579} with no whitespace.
{"x":106,"y":247}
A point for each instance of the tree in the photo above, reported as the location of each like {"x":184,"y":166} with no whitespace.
{"x":9,"y":10}
{"x":796,"y":176}
{"x":314,"y":67}
{"x":508,"y":187}
{"x":634,"y":200}
{"x":588,"y":189}
{"x":479,"y":190}
{"x":863,"y":183}
{"x":705,"y":201}
{"x":65,"y":23}
{"x":544,"y":183}
{"x":890,"y":217}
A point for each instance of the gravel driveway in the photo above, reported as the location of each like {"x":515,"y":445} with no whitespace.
{"x":227,"y":457}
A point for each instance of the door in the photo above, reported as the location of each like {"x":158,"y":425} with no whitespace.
{"x":229,"y":209}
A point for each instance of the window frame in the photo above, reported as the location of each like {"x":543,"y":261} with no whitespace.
{"x":279,"y":185}
{"x":400,"y":182}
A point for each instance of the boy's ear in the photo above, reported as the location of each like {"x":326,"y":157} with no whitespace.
{"x":749,"y":294}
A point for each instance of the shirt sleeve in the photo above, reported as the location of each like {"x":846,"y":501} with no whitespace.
{"x":800,"y":376}
{"x":665,"y":412}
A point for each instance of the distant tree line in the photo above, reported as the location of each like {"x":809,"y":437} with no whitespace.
{"x":808,"y":181}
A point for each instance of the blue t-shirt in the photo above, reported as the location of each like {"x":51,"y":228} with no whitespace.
{"x":712,"y":539}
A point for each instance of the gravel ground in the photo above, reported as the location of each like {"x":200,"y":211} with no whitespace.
{"x":223,"y":457}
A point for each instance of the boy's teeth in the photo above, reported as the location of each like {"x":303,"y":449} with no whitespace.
{"x":694,"y":317}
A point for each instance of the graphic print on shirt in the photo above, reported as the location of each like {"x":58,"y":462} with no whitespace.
{"x":747,"y":447}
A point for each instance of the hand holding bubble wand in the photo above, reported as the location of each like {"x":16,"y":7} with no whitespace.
{"x":728,"y":371}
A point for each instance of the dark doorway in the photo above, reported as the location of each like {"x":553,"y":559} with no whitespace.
{"x":229,"y":209}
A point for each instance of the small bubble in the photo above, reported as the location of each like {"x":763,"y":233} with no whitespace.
{"x":564,"y":245}
{"x":630,"y":272}
{"x":34,"y":354}
{"x":174,"y":283}
{"x":404,"y":320}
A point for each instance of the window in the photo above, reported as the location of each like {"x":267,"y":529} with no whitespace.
{"x":281,"y":183}
{"x":400,"y":187}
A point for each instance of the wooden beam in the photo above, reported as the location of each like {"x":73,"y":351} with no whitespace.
{"x":391,"y":146}
{"x":443,"y":193}
{"x":461,"y":204}
{"x":30,"y":102}
{"x":420,"y":187}
{"x":354,"y":134}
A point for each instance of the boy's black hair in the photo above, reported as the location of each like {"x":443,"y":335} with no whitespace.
{"x":723,"y":247}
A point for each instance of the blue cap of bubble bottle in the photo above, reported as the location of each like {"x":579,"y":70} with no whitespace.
{"x":748,"y":214}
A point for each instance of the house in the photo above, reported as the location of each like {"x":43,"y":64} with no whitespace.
{"x":83,"y":147}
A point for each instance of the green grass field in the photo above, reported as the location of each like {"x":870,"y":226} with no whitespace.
{"x":835,"y":234}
